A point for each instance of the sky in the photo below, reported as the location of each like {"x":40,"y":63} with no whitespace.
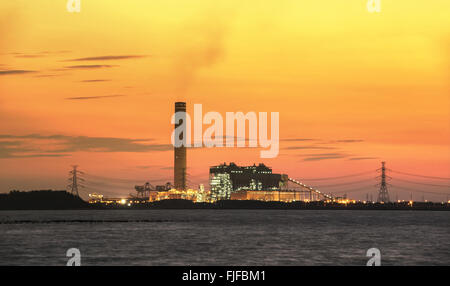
{"x":352,"y":88}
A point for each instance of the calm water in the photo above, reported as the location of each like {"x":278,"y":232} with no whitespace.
{"x":224,"y":237}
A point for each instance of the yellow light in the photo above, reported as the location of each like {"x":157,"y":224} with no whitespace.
{"x":123,"y":201}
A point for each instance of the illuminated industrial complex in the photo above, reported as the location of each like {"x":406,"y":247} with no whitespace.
{"x":232,"y":181}
{"x":226,"y":182}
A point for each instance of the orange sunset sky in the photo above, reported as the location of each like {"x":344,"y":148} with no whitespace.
{"x":97,"y":88}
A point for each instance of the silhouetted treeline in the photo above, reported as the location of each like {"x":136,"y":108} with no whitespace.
{"x":41,"y":200}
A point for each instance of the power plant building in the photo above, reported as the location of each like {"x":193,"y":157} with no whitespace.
{"x":226,"y":179}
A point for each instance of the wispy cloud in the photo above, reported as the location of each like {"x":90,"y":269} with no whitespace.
{"x":16,"y":149}
{"x":111,"y":144}
{"x":15,"y":72}
{"x":223,"y":140}
{"x":56,"y":52}
{"x":145,"y":167}
{"x":36,"y":145}
{"x":350,"y":141}
{"x":322,"y":144}
{"x":320,"y":158}
{"x":38,"y":55}
{"x":95,"y":80}
{"x":30,"y":56}
{"x":323,"y":156}
{"x":48,"y":75}
{"x":309,"y":147}
{"x":347,"y":141}
{"x":106,"y":58}
{"x":297,"y":139}
{"x":90,"y":66}
{"x":94,"y":97}
{"x":166,"y":168}
{"x":363,"y":158}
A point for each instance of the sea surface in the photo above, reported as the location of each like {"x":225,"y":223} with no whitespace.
{"x":224,"y":237}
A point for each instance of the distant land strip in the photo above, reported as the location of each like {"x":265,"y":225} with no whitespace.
{"x":86,"y":221}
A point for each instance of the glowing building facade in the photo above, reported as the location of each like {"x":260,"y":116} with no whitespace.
{"x":227,"y":179}
{"x":221,"y":186}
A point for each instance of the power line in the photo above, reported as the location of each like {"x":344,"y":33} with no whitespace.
{"x":121,"y":181}
{"x":118,"y":180}
{"x":422,"y":176}
{"x":418,"y":191}
{"x":339,"y":177}
{"x":355,"y":190}
{"x":341,"y":184}
{"x":110,"y":183}
{"x":420,"y":183}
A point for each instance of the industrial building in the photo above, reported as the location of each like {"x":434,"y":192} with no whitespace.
{"x":179,"y":170}
{"x":226,"y":180}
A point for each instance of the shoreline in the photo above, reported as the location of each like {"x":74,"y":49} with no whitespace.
{"x":61,"y":200}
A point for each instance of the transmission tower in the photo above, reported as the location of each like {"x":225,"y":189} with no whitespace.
{"x":383,"y":195}
{"x":74,"y":177}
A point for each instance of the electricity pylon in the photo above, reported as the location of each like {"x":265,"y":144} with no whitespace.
{"x":74,"y":178}
{"x":383,"y":195}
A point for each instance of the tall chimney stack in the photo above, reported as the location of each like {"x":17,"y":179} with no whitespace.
{"x":179,"y":170}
